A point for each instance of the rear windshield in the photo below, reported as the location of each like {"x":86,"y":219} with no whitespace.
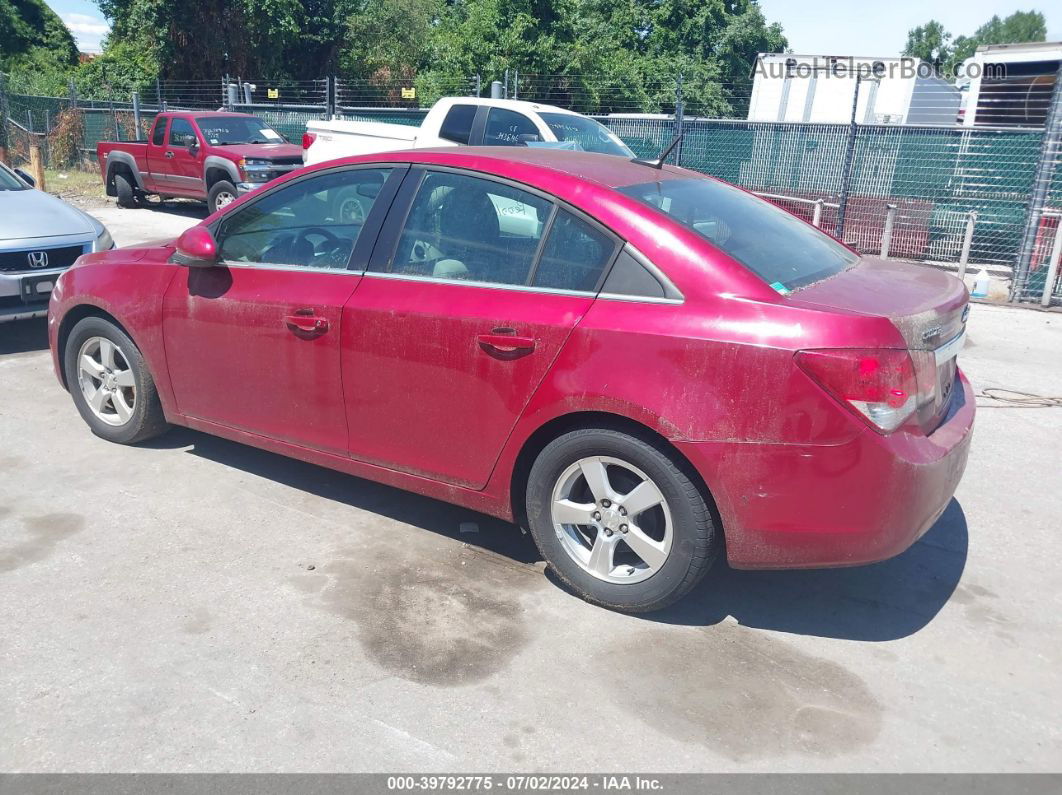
{"x":778,"y":247}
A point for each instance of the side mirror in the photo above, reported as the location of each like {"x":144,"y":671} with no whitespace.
{"x":193,"y":148}
{"x":196,"y":248}
{"x":26,"y":178}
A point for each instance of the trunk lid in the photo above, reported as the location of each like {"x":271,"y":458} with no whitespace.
{"x":927,"y":306}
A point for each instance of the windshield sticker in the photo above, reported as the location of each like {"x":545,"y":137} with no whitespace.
{"x":781,"y":288}
{"x":272,"y":135}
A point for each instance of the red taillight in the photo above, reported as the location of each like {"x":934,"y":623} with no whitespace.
{"x":307,"y":139}
{"x":884,"y":386}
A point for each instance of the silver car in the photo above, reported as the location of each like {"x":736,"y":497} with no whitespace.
{"x":40,"y":237}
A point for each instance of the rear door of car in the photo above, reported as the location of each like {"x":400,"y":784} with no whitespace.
{"x":474,"y":286}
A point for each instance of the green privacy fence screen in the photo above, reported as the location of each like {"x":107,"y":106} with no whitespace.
{"x":935,"y":177}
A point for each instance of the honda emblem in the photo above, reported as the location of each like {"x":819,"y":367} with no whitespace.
{"x":38,"y":259}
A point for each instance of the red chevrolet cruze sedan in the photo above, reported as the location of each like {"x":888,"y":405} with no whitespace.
{"x":636,"y":362}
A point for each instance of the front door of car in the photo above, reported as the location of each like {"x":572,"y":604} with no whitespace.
{"x":181,"y":171}
{"x":253,"y":343}
{"x":459,"y":318}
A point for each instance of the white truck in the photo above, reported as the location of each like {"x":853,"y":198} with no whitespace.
{"x":463,"y":121}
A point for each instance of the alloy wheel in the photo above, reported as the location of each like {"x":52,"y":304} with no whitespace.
{"x":106,"y":380}
{"x":612,"y":519}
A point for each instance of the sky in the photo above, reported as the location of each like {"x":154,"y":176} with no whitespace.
{"x":826,"y":29}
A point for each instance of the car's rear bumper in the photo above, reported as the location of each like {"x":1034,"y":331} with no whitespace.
{"x":796,"y":506}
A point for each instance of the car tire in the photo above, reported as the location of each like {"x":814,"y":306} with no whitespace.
{"x":657,"y":554}
{"x":124,"y":406}
{"x":221,"y":194}
{"x":123,"y":190}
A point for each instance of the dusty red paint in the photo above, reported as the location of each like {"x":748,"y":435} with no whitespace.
{"x":401,"y":390}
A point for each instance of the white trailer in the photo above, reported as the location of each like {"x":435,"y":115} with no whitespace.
{"x":821,"y":88}
{"x":1010,"y":85}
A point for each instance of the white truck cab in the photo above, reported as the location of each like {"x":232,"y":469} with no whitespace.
{"x":463,"y":121}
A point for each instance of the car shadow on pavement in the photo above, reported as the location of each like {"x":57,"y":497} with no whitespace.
{"x":879,"y":602}
{"x":24,"y":336}
{"x":461,"y":524}
{"x":182,"y":207}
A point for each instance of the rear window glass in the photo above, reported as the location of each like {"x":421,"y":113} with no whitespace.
{"x":776,"y":246}
{"x":457,"y":126}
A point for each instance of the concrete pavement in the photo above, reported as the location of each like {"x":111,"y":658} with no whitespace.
{"x":196,"y":605}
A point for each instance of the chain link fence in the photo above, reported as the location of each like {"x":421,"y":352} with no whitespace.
{"x":964,"y":196}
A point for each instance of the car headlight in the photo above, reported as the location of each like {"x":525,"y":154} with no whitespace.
{"x":103,"y":241}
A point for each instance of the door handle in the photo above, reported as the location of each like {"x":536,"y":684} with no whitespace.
{"x":506,"y":343}
{"x":311,"y":323}
{"x":169,"y":154}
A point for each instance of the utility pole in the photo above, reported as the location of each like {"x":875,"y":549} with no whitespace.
{"x":680,"y":113}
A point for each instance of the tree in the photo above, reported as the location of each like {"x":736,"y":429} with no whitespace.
{"x":1019,"y":27}
{"x":929,"y":42}
{"x":30,"y":32}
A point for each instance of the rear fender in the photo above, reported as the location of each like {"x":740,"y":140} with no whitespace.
{"x":116,"y":158}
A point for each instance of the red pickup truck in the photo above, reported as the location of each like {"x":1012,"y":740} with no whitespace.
{"x":213,"y":156}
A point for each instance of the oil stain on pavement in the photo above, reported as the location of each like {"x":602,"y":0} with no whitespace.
{"x":45,"y":532}
{"x":740,"y":693}
{"x":450,"y":619}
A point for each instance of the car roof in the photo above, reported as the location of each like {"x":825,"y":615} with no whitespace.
{"x":610,"y":171}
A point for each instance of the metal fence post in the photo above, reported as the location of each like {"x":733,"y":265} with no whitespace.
{"x":967,"y":241}
{"x":3,"y":118}
{"x":158,"y":95}
{"x":886,"y":235}
{"x":1050,"y":151}
{"x":136,"y":112}
{"x":679,"y":118}
{"x":330,"y":97}
{"x":816,"y":217}
{"x":479,"y":85}
{"x":1052,"y":268}
{"x":849,"y":156}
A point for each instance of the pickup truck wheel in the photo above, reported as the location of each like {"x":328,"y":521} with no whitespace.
{"x":123,"y":189}
{"x":110,"y":383}
{"x":221,"y":195}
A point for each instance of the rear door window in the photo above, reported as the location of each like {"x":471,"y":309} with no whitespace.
{"x":575,"y":255}
{"x":457,"y":126}
{"x":464,"y":228}
{"x":158,"y":135}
